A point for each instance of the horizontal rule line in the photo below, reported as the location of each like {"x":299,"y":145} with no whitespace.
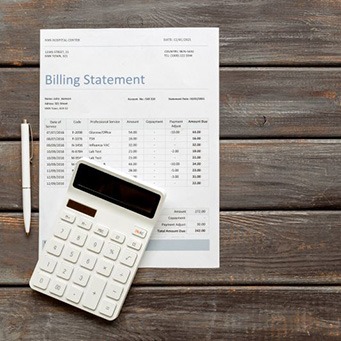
{"x":237,"y":285}
{"x":223,"y":65}
{"x":125,"y":89}
{"x":118,"y":46}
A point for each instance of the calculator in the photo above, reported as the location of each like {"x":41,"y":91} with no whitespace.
{"x":99,"y":238}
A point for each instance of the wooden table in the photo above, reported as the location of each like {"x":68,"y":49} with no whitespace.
{"x":280,"y":220}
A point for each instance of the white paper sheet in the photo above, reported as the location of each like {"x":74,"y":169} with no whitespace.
{"x":144,"y":101}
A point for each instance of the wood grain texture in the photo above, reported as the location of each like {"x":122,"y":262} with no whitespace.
{"x":282,"y":198}
{"x":280,"y":102}
{"x":251,"y":32}
{"x":19,"y":99}
{"x":280,"y":174}
{"x":180,"y":313}
{"x":254,"y":102}
{"x":254,"y":174}
{"x":268,"y":247}
{"x":19,"y":253}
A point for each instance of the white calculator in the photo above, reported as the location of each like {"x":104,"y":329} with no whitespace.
{"x":98,"y":240}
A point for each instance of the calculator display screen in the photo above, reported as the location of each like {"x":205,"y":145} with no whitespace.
{"x":81,"y":208}
{"x":116,"y":190}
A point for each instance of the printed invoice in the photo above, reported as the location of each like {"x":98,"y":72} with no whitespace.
{"x":144,"y":101}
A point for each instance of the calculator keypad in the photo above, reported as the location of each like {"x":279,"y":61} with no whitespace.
{"x":64,"y":270}
{"x":81,"y":277}
{"x":74,"y":294}
{"x":104,"y":267}
{"x":54,"y":247}
{"x":114,"y":291}
{"x":57,"y":287}
{"x":62,"y":231}
{"x":107,"y":308}
{"x":139,"y":232}
{"x":121,"y":274}
{"x":95,"y":244}
{"x":94,"y":292}
{"x":48,"y":264}
{"x":111,"y":251}
{"x":101,"y":230}
{"x":88,"y":264}
{"x":117,"y":237}
{"x":134,"y":244}
{"x":41,"y":281}
{"x":88,"y":260}
{"x":78,"y":237}
{"x":71,"y":254}
{"x":84,"y":223}
{"x":128,"y":258}
{"x":67,"y":216}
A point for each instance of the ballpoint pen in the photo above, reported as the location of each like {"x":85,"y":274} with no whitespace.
{"x":26,"y":176}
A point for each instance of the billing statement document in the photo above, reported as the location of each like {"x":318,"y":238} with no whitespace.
{"x":146,"y":102}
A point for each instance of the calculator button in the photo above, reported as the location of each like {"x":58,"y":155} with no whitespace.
{"x":74,"y":294}
{"x":121,"y":274}
{"x":78,"y":237}
{"x":117,"y":237}
{"x":139,"y":232}
{"x":88,"y":261}
{"x":134,"y":244}
{"x":94,"y":292}
{"x":71,"y":254}
{"x":101,"y":230}
{"x":107,"y":308}
{"x":128,"y":258}
{"x":104,"y":267}
{"x":81,"y":277}
{"x":41,"y":281}
{"x":57,"y":287}
{"x":62,"y":231}
{"x":54,"y":247}
{"x":67,"y":216}
{"x":114,"y":291}
{"x":84,"y":223}
{"x":47,"y":264}
{"x":111,"y":251}
{"x":95,"y":244}
{"x":65,"y":270}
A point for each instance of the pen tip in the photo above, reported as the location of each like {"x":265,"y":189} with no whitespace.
{"x":27,"y":234}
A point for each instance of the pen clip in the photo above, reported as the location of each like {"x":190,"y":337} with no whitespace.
{"x":31,"y":142}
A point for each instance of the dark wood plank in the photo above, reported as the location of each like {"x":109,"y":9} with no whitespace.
{"x":262,"y":102}
{"x":280,"y":174}
{"x":10,"y":185}
{"x":268,"y":247}
{"x":251,"y":32}
{"x":255,"y":174}
{"x":280,"y":102}
{"x":180,"y":313}
{"x":19,"y":99}
{"x":19,"y":253}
